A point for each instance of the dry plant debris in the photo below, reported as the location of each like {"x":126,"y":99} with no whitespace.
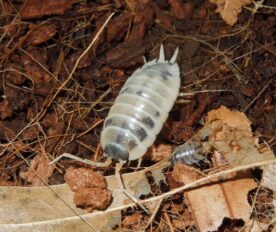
{"x":89,"y":187}
{"x":232,"y":136}
{"x":225,"y":198}
{"x":229,"y":9}
{"x":54,"y":101}
{"x":159,"y":152}
{"x":39,"y":171}
{"x":206,"y":204}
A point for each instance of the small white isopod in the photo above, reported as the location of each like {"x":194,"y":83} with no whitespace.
{"x":139,"y":111}
{"x":138,"y":114}
{"x":141,"y":108}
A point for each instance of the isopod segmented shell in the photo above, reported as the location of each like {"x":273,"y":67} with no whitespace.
{"x":188,"y":153}
{"x":141,"y":108}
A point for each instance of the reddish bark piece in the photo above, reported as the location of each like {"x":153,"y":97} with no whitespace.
{"x":39,"y":171}
{"x":119,"y":26}
{"x":37,"y":8}
{"x":181,"y":10}
{"x":161,"y":16}
{"x":138,"y":32}
{"x":137,"y":5}
{"x":14,"y":76}
{"x":30,"y":132}
{"x":126,"y":55}
{"x":180,"y":132}
{"x":197,"y":113}
{"x":5,"y":110}
{"x":93,"y":198}
{"x":35,"y":71}
{"x":78,"y":178}
{"x":40,"y":34}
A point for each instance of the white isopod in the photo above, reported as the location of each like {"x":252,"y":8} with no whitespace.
{"x":141,"y":108}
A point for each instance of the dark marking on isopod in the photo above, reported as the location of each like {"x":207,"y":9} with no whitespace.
{"x":108,"y":122}
{"x":148,"y":122}
{"x":157,"y":69}
{"x":132,"y":144}
{"x":126,"y":90}
{"x":139,"y":93}
{"x":135,"y":129}
{"x":142,"y":134}
{"x":119,"y":138}
{"x":157,"y":113}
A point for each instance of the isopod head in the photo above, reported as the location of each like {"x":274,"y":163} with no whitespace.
{"x":116,"y":151}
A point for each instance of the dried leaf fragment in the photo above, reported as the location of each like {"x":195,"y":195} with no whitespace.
{"x":269,"y":177}
{"x":126,"y":55}
{"x":39,"y":171}
{"x":233,"y":138}
{"x":211,"y":203}
{"x":234,"y":119}
{"x":229,"y":9}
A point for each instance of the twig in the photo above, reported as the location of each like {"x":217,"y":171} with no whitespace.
{"x":259,"y":94}
{"x":168,"y":221}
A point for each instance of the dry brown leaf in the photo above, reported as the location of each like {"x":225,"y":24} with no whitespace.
{"x":229,"y":9}
{"x":211,"y":203}
{"x":254,"y":226}
{"x":39,"y":171}
{"x":39,"y":209}
{"x":232,"y":137}
{"x":233,"y":119}
{"x":269,"y":177}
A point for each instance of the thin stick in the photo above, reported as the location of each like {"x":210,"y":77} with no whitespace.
{"x":122,"y":187}
{"x":259,"y":94}
{"x":168,"y":221}
{"x":85,"y":161}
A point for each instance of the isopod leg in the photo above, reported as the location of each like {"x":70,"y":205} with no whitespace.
{"x":85,"y":161}
{"x":122,"y":187}
{"x":139,"y":163}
